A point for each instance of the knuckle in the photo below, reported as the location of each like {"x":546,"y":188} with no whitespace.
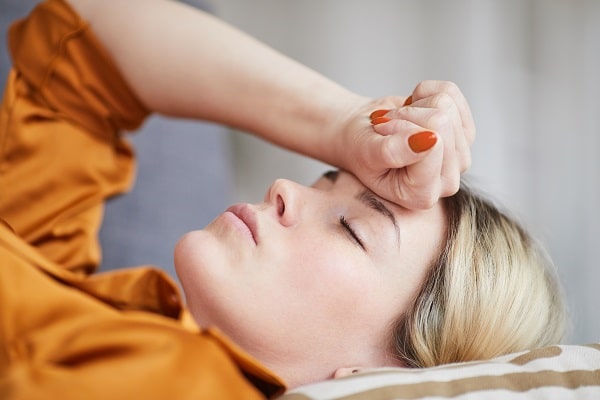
{"x":388,"y":153}
{"x":421,"y":196}
{"x":442,"y":101}
{"x":422,"y":88}
{"x":452,"y":186}
{"x":437,"y":120}
{"x":471,"y":135}
{"x":466,"y":162}
{"x":428,"y":202}
{"x":447,"y":88}
{"x":450,"y":88}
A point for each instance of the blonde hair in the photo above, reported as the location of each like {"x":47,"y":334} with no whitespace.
{"x":491,"y":291}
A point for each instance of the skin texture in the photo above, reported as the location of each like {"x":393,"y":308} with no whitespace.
{"x":235,"y":80}
{"x":295,"y":288}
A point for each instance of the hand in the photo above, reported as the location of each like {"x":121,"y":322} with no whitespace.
{"x":415,"y":149}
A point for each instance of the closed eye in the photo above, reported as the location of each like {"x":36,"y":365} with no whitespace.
{"x":351,"y":232}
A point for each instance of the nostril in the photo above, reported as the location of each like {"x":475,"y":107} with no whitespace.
{"x":280,"y":205}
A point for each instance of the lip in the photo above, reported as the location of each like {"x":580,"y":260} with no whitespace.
{"x":248,"y":216}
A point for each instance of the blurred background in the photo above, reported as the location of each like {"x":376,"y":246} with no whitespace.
{"x":529,"y":68}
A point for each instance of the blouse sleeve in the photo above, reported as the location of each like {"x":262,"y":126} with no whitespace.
{"x":61,"y":148}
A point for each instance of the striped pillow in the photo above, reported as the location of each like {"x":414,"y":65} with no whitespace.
{"x":556,"y":372}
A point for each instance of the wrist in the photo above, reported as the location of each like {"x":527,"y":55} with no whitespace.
{"x":343,"y":118}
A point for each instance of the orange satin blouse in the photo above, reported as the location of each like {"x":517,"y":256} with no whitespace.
{"x":66,"y":333}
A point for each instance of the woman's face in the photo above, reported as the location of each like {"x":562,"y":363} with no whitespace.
{"x":311,"y":276}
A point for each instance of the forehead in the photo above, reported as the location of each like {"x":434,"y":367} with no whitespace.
{"x":345,"y":183}
{"x":431,"y":221}
{"x":338,"y":180}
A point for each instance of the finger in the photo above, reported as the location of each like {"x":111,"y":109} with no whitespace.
{"x":446,"y":104}
{"x":385,"y":104}
{"x":450,"y":170}
{"x":444,"y":119}
{"x":422,"y":180}
{"x":429,"y":88}
{"x":378,"y":114}
{"x":433,"y":118}
{"x":403,"y":144}
{"x":463,"y":152}
{"x":387,"y":126}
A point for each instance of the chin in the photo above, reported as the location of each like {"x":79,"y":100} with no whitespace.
{"x":181,"y":253}
{"x":201,"y":262}
{"x":191,"y":255}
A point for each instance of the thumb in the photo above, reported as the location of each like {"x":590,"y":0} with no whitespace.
{"x":399,"y":150}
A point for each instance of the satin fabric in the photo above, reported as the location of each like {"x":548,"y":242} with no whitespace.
{"x":66,"y":332}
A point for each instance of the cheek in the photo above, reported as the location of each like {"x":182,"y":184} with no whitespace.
{"x":200,"y":267}
{"x":188,"y":255}
{"x":338,"y":294}
{"x":189,"y":265}
{"x":329,"y":276}
{"x":204,"y":253}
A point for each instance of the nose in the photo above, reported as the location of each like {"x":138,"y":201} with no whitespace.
{"x":288,"y":199}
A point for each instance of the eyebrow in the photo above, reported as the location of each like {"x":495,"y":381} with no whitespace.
{"x":369,"y":199}
{"x":331,"y":175}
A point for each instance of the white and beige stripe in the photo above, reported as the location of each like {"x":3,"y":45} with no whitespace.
{"x":556,"y":372}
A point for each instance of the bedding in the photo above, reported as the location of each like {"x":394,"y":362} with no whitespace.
{"x":556,"y":372}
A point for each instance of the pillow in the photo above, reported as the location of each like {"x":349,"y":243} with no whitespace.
{"x":555,"y":372}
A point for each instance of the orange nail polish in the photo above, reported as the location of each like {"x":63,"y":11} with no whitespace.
{"x":380,"y":120}
{"x":422,"y":141}
{"x":408,"y":101}
{"x":378,"y":113}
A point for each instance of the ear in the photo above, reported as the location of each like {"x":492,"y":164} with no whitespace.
{"x":343,"y":372}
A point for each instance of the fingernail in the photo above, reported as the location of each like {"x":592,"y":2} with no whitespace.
{"x":378,"y":113}
{"x":380,"y":120}
{"x":422,"y":141}
{"x":408,"y":101}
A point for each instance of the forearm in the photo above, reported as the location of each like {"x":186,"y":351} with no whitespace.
{"x":183,"y":62}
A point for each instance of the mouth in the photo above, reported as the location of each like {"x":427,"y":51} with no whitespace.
{"x":248,"y":217}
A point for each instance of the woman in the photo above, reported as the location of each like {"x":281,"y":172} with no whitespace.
{"x":306,"y":265}
{"x":285,"y":267}
{"x":310,"y":284}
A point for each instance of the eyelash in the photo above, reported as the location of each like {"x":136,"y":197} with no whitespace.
{"x":351,"y":231}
